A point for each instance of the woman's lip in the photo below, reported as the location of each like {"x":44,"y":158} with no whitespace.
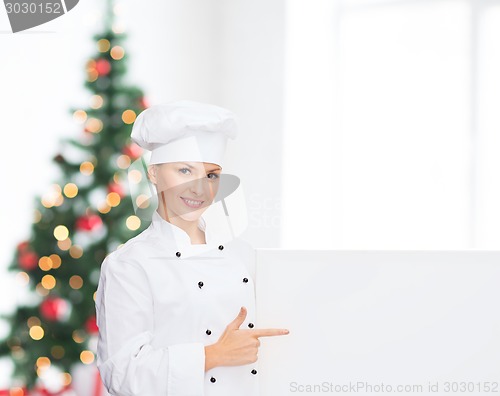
{"x":195,"y":200}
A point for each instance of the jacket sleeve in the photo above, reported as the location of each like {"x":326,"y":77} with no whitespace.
{"x":128,"y":364}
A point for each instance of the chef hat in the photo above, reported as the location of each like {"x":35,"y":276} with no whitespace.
{"x":184,"y":130}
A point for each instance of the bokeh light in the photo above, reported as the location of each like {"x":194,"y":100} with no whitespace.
{"x":104,"y":208}
{"x":76,"y":251}
{"x":128,"y":116}
{"x":65,"y":244}
{"x":45,"y":263}
{"x":123,"y":161}
{"x":43,"y":362}
{"x":87,"y":357}
{"x":80,"y":116}
{"x":53,"y":197}
{"x":37,"y":216}
{"x":133,"y":222}
{"x":87,"y":168}
{"x":117,"y":52}
{"x":56,"y":260}
{"x":61,"y":232}
{"x":135,"y":176}
{"x":142,"y":201}
{"x":76,"y":282}
{"x":42,"y":291}
{"x":23,"y":278}
{"x":36,"y":332}
{"x":113,"y":199}
{"x":66,"y":379}
{"x":96,"y":101}
{"x":70,"y":190}
{"x":78,"y":336}
{"x":48,"y":282}
{"x":33,"y":321}
{"x":103,"y":45}
{"x":94,"y":125}
{"x":92,"y":74}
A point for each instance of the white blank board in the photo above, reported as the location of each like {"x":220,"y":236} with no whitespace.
{"x":419,"y":322}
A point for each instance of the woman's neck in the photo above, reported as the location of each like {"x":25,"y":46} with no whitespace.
{"x":191,"y":228}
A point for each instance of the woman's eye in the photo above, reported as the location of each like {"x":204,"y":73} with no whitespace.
{"x":187,"y":171}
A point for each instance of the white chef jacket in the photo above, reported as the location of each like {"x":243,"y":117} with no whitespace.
{"x":160,"y":300}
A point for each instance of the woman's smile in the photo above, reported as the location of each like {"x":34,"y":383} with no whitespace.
{"x":192,"y":203}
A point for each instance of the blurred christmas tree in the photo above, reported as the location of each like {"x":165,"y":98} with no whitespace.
{"x":84,"y":216}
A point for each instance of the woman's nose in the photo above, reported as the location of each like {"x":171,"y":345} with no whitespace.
{"x":198,"y":185}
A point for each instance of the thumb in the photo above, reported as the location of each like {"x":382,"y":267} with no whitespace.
{"x":236,"y":323}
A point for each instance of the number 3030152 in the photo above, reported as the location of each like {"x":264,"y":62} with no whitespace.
{"x":34,"y":8}
{"x":471,"y":386}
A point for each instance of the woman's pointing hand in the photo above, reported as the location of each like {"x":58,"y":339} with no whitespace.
{"x":237,"y":346}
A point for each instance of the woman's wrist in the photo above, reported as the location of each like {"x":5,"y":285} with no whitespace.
{"x":210,"y":357}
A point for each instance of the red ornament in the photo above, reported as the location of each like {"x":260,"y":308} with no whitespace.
{"x":88,"y":222}
{"x":53,"y":308}
{"x":117,"y":188}
{"x":143,"y":102}
{"x":23,"y":246}
{"x":103,"y":67}
{"x":91,"y":325}
{"x":133,"y":151}
{"x":41,"y":390}
{"x":28,"y":260}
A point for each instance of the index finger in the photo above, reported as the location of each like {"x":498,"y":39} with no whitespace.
{"x":269,"y":332}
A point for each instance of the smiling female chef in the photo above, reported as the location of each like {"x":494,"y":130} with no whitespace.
{"x":176,"y":304}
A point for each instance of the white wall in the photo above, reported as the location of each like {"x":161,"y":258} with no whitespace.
{"x":391,"y":128}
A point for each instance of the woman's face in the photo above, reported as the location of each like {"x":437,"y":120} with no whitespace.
{"x":189,"y":187}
